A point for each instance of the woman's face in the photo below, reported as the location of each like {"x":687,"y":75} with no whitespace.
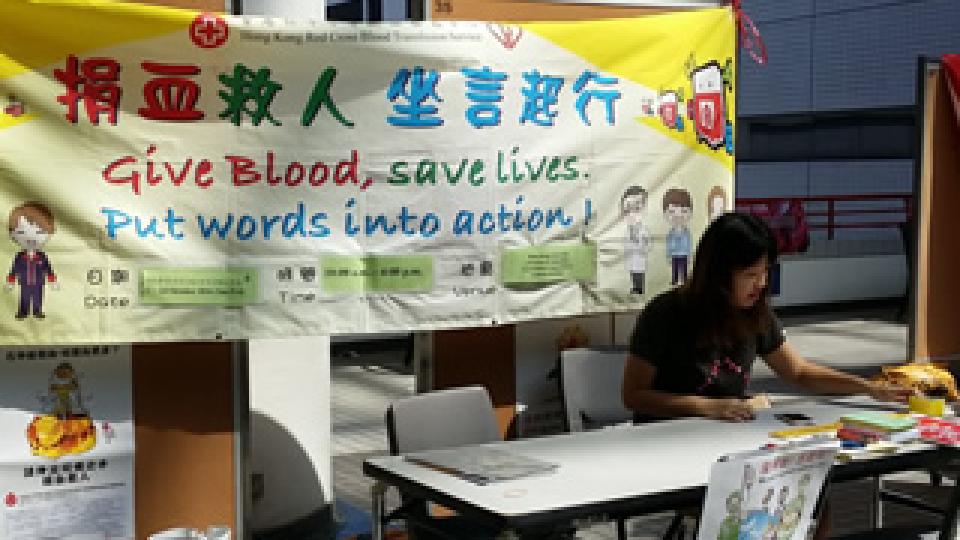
{"x":750,"y":283}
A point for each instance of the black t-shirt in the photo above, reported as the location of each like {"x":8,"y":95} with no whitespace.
{"x":663,"y":336}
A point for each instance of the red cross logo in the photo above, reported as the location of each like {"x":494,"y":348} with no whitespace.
{"x":209,"y":31}
{"x":508,"y":36}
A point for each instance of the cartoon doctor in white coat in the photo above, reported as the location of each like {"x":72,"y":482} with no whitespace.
{"x":636,"y":245}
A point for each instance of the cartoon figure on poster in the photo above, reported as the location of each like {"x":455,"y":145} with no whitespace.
{"x":65,"y":427}
{"x":648,"y":107}
{"x":637,"y":243}
{"x":707,"y":107}
{"x":677,"y":209}
{"x":776,"y":516}
{"x":792,"y":511}
{"x":730,"y":526}
{"x":65,"y":392}
{"x":13,"y":107}
{"x":31,"y":225}
{"x":669,"y":109}
{"x":758,"y":521}
{"x":716,"y":202}
{"x":778,"y":513}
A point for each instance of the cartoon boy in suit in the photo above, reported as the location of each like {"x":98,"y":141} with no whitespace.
{"x":30,"y":226}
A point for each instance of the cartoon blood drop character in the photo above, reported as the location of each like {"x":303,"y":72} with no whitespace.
{"x":707,"y":107}
{"x":668,"y":109}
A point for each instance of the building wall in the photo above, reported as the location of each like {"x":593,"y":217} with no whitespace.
{"x":832,"y":111}
{"x":843,"y":54}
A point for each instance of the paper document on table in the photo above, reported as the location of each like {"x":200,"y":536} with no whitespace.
{"x":481,"y":465}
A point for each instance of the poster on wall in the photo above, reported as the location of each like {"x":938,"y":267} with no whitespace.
{"x":174,"y":175}
{"x":66,"y":443}
{"x":767,"y":494}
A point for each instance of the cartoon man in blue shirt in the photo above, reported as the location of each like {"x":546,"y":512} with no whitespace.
{"x":30,"y":226}
{"x":677,"y":208}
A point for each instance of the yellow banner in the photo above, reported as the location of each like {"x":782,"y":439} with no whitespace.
{"x":173,"y":175}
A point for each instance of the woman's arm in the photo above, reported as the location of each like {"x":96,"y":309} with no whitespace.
{"x":639,"y":395}
{"x":791,"y":366}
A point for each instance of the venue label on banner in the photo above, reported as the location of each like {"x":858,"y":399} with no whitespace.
{"x":172,"y":175}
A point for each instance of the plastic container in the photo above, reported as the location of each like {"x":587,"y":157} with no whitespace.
{"x":930,"y":406}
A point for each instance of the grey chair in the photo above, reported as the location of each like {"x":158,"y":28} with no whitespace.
{"x":591,"y":398}
{"x":590,"y":381}
{"x":440,"y":419}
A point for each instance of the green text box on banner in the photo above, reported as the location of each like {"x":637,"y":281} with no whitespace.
{"x":199,"y":286}
{"x":377,"y":273}
{"x":549,"y":264}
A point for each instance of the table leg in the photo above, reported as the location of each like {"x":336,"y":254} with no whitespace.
{"x":378,"y":491}
{"x":876,"y":517}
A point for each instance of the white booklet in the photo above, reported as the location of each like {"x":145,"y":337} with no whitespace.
{"x":481,"y":465}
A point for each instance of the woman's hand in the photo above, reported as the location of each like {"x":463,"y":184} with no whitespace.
{"x":730,"y":410}
{"x":883,"y":392}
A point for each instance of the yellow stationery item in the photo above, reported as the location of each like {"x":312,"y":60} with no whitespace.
{"x":805,"y":430}
{"x":927,"y":405}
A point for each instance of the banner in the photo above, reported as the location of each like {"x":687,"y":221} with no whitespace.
{"x":169,"y":175}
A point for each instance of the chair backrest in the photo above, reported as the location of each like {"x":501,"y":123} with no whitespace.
{"x":442,"y":419}
{"x":590,"y":381}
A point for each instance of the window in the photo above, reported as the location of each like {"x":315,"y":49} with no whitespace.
{"x":847,"y":135}
{"x":368,"y":10}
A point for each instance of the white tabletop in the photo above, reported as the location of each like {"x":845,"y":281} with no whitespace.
{"x":612,"y":464}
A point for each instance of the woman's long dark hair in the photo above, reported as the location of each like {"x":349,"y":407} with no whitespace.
{"x":732,"y":242}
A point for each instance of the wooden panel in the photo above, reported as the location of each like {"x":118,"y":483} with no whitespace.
{"x":183,"y":417}
{"x":183,"y":413}
{"x":519,"y":10}
{"x":922,"y":210}
{"x":484,"y":356}
{"x":938,"y":299}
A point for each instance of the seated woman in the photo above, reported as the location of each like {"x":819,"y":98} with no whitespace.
{"x":693,"y":347}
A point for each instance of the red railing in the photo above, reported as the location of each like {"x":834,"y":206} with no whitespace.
{"x":821,"y":212}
